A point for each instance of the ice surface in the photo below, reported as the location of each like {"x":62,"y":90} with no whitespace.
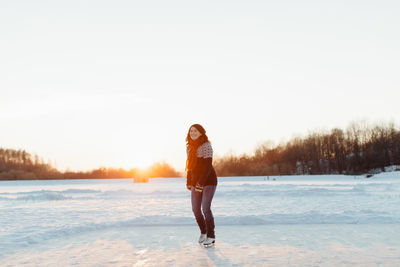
{"x":268,"y":220}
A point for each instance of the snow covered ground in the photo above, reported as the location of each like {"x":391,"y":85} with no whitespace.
{"x":330,"y":220}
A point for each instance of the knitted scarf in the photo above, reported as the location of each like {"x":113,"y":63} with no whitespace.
{"x":191,"y":160}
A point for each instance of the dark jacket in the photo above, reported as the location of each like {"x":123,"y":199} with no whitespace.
{"x":203,"y":173}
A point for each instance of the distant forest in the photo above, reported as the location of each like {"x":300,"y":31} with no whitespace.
{"x":361,"y":148}
{"x":20,"y":165}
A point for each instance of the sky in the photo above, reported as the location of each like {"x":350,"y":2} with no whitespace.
{"x":87,"y":84}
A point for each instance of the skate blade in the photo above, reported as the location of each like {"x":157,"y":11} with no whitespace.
{"x":209,"y":245}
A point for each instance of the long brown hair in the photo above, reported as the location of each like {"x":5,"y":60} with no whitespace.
{"x":193,"y":145}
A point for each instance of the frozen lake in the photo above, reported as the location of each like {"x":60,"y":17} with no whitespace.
{"x":267,"y":220}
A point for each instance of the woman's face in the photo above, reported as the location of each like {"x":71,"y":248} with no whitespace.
{"x":194,"y":133}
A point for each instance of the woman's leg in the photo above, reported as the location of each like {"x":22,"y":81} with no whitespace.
{"x":208,"y":194}
{"x":196,"y":208}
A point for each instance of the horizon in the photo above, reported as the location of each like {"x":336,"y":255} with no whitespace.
{"x":119,"y":84}
{"x":361,"y":124}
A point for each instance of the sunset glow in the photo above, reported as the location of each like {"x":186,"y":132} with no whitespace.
{"x":120,"y":86}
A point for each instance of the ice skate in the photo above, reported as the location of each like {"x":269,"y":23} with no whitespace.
{"x":209,"y":242}
{"x":202,"y":238}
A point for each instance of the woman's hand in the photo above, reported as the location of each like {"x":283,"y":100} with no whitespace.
{"x":198,"y":188}
{"x":189,"y":187}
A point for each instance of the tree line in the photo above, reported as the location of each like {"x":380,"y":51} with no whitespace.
{"x":360,"y":148}
{"x":21,"y":165}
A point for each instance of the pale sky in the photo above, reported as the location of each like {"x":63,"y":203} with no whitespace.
{"x":118,"y":83}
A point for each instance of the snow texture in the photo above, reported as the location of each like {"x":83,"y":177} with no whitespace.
{"x":330,"y":220}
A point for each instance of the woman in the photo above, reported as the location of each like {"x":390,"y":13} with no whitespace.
{"x":201,"y":181}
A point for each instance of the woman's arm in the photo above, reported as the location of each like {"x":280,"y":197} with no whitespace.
{"x":206,"y":166}
{"x":188,"y":179}
{"x":188,"y":174}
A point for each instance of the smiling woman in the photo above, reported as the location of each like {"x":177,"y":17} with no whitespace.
{"x":201,"y":181}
